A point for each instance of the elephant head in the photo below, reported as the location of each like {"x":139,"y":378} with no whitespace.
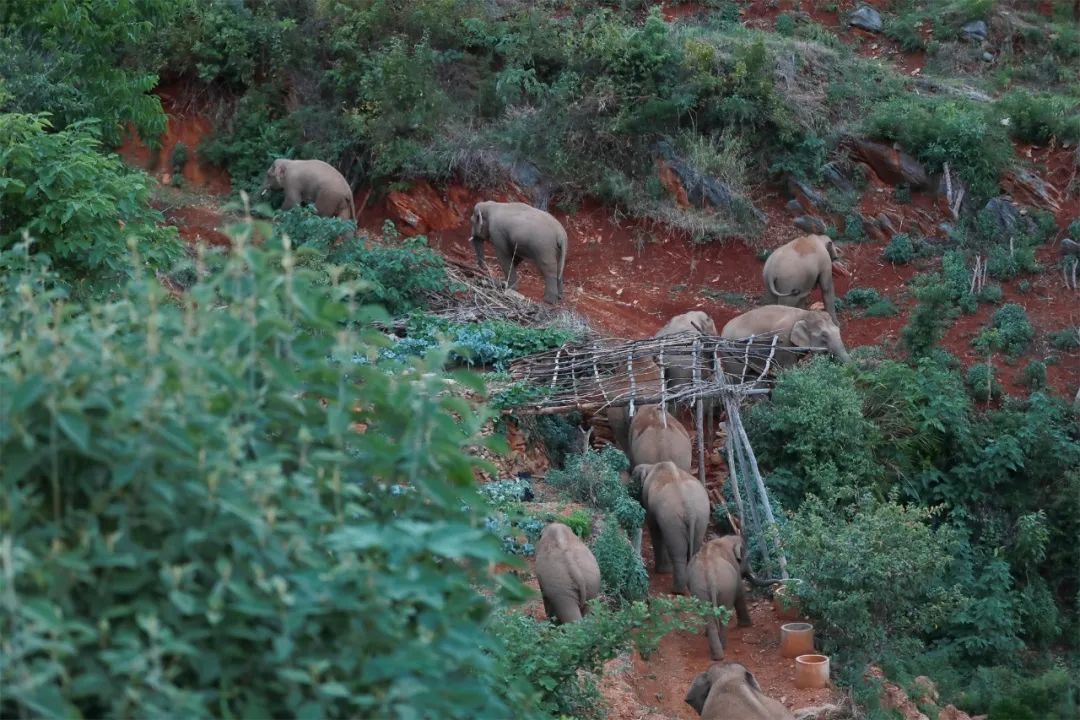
{"x":729,"y":690}
{"x":817,"y":329}
{"x":274,"y":176}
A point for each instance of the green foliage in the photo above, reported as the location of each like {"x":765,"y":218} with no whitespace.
{"x":900,"y":250}
{"x":981,"y":380}
{"x":79,"y":60}
{"x":562,"y":663}
{"x":622,"y":570}
{"x":79,"y":206}
{"x":1039,"y":117}
{"x":1010,"y":332}
{"x":579,"y":521}
{"x":1066,"y":338}
{"x":928,"y":320}
{"x":249,"y":140}
{"x":959,"y":132}
{"x":874,"y":575}
{"x":594,"y":478}
{"x":861,"y":297}
{"x":558,"y":435}
{"x":884,"y":307}
{"x":193,"y":525}
{"x":813,"y":435}
{"x":1007,"y":695}
{"x":491,"y":342}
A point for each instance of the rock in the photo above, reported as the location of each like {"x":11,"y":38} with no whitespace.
{"x":835,"y":174}
{"x":1009,"y":217}
{"x":886,"y":224}
{"x":891,"y":164}
{"x":528,"y":179}
{"x":867,"y":18}
{"x":794,"y":206}
{"x":807,"y":197}
{"x":988,"y":57}
{"x":929,"y":689}
{"x":975,"y":31}
{"x":949,"y":712}
{"x":693,"y":188}
{"x":423,"y":209}
{"x":1032,"y":190}
{"x":1070,"y":247}
{"x":810,"y":224}
{"x":818,"y":712}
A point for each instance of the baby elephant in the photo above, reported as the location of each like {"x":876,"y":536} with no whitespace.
{"x":311,"y":181}
{"x":655,"y":436}
{"x":792,"y":271}
{"x":728,"y":691}
{"x":676,"y":513}
{"x":567,"y":571}
{"x":716,"y":574}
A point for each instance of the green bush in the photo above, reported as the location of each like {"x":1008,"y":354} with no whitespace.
{"x":622,"y":571}
{"x":874,"y":576}
{"x":884,"y":307}
{"x":1010,"y":332}
{"x":193,"y":525}
{"x":594,"y":478}
{"x":491,"y":342}
{"x":900,"y":250}
{"x":928,"y":320}
{"x":558,"y":435}
{"x":562,"y":663}
{"x":861,"y":297}
{"x":579,"y":521}
{"x":812,"y":435}
{"x":981,"y":380}
{"x":247,"y":141}
{"x":1039,"y":117}
{"x":1066,"y":338}
{"x":960,"y":132}
{"x":80,"y":206}
{"x":1034,"y":375}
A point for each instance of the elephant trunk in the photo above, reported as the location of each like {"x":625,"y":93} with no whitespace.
{"x":836,"y":347}
{"x":478,"y":246}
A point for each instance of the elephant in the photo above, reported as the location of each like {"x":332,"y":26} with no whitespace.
{"x":567,"y":571}
{"x":677,"y":515}
{"x":680,"y":370}
{"x":311,"y":181}
{"x":716,"y":573}
{"x":792,"y":271}
{"x":519,"y":231}
{"x":793,"y":327}
{"x":728,"y":691}
{"x":655,"y":435}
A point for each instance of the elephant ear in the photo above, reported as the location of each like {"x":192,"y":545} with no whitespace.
{"x":699,"y":692}
{"x":278,"y":169}
{"x":739,"y":550}
{"x":832,"y":249}
{"x":800,"y":334}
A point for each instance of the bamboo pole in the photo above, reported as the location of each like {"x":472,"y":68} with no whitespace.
{"x":700,"y":414}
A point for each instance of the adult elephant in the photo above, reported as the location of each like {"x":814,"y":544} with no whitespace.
{"x":793,"y":327}
{"x":655,"y":436}
{"x":518,"y":232}
{"x":567,"y":571}
{"x":716,"y":574}
{"x":311,"y":181}
{"x":793,"y":270}
{"x":728,"y":691}
{"x":680,"y":368}
{"x":676,"y":513}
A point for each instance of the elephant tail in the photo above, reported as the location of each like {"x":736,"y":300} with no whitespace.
{"x":561,"y":243}
{"x":777,"y":293}
{"x":352,"y":209}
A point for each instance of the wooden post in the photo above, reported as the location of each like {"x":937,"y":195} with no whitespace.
{"x":663,"y":387}
{"x":756,"y":472}
{"x":700,"y":414}
{"x":755,"y":518}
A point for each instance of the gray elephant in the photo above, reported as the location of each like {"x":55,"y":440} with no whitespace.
{"x":793,"y":270}
{"x":677,"y":515}
{"x":716,"y":574}
{"x":680,"y":369}
{"x":656,"y":435}
{"x":518,"y":232}
{"x":567,"y":572}
{"x":311,"y":181}
{"x":728,"y":691}
{"x":793,"y":327}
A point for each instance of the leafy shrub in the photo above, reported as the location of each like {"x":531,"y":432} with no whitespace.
{"x":884,"y":307}
{"x":982,"y":382}
{"x":861,"y":297}
{"x":191,"y":515}
{"x":1007,"y":694}
{"x":593,"y":478}
{"x":79,"y":205}
{"x":1035,"y":375}
{"x":928,"y":320}
{"x":1038,"y":117}
{"x":622,"y":570}
{"x":1066,"y":338}
{"x":959,"y":132}
{"x":562,"y":663}
{"x":991,"y":293}
{"x":1010,"y":331}
{"x":248,"y":141}
{"x":849,"y":560}
{"x":503,"y":494}
{"x":813,"y":434}
{"x":900,"y":250}
{"x":559,"y":435}
{"x":492,"y":342}
{"x":1005,"y":264}
{"x":579,"y":521}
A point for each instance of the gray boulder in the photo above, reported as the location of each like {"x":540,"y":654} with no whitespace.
{"x":975,"y":31}
{"x":527,"y":177}
{"x":703,"y":191}
{"x":810,"y":224}
{"x":867,"y":18}
{"x":1009,"y":218}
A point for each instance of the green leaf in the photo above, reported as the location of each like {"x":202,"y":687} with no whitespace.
{"x":76,"y":429}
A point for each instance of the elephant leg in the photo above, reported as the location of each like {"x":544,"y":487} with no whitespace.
{"x":506,"y":264}
{"x":716,"y":645}
{"x":549,"y":609}
{"x":566,"y":609}
{"x":742,"y":613}
{"x":679,"y":562}
{"x":770,"y":298}
{"x":660,"y":554}
{"x":292,"y":199}
{"x":552,"y":289}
